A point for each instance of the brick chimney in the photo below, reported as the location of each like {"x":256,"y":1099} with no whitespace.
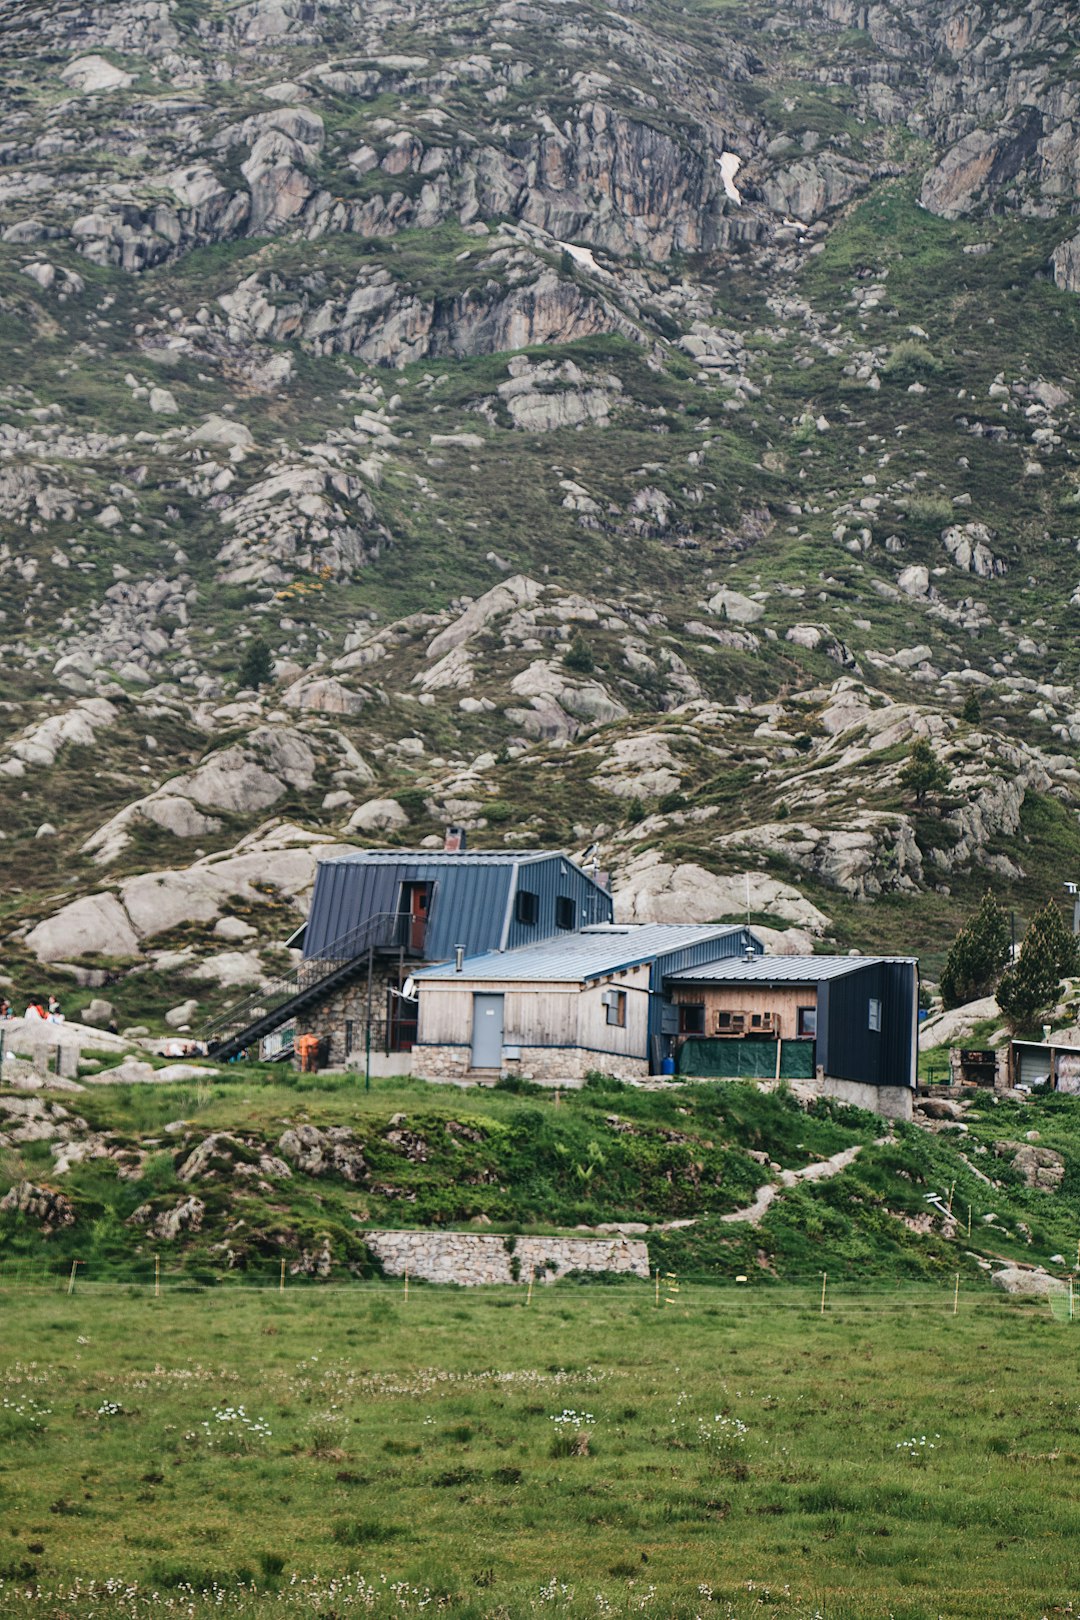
{"x":454,"y":841}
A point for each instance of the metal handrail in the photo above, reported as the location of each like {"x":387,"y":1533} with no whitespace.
{"x":336,"y":954}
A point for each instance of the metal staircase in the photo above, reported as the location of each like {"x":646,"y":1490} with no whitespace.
{"x":340,"y":962}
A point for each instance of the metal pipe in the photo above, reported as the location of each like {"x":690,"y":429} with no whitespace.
{"x":367,"y":1021}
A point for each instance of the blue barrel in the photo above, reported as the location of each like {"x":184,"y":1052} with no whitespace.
{"x":668,"y":1066}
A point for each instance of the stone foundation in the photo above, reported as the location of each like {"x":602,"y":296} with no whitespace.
{"x":475,"y":1259}
{"x":891,"y":1102}
{"x":349,"y":1006}
{"x":544,"y":1065}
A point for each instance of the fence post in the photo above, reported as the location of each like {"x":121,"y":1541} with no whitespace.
{"x":71,"y":1280}
{"x":157,"y":1276}
{"x":824,"y":1280}
{"x":956,"y":1296}
{"x":281,"y":1281}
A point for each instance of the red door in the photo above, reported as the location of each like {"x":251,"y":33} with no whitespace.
{"x":418,"y":915}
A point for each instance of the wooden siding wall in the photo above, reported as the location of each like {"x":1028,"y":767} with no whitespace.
{"x":595,"y":1034}
{"x":749,"y":999}
{"x":540,"y":1014}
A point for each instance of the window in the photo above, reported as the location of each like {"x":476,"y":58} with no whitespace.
{"x":806,"y":1022}
{"x":875,"y":1013}
{"x":615,"y":1001}
{"x":348,"y":1037}
{"x":692,"y":1018}
{"x":565,"y":912}
{"x":527,"y":906}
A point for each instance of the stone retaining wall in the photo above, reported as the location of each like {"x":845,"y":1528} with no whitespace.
{"x":474,"y":1258}
{"x":546,"y":1065}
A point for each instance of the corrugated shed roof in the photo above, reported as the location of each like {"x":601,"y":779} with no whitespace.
{"x":441,"y":857}
{"x":586,"y":954}
{"x":780,"y":969}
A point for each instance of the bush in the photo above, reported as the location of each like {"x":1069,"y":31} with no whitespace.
{"x":578,"y":657}
{"x":909,"y":361}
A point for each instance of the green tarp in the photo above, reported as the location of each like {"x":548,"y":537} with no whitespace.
{"x":703,"y":1059}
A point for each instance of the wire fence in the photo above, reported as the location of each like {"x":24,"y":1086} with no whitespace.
{"x":818,"y":1294}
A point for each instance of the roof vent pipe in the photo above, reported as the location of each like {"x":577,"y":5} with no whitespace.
{"x":459,"y":958}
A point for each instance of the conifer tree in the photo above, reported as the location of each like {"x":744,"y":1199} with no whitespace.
{"x":256,"y":666}
{"x":972,"y":710}
{"x":977,"y":955}
{"x":924,"y":774}
{"x":1029,"y":986}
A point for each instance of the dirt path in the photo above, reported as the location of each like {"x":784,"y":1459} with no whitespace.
{"x":821,"y":1171}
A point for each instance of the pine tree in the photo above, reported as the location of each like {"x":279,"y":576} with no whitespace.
{"x":1029,"y":987}
{"x":977,"y":955}
{"x":1060,"y":938}
{"x":924,"y":774}
{"x":971,"y":713}
{"x":578,"y":656}
{"x":256,"y":666}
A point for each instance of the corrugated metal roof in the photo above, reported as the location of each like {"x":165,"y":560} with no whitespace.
{"x":587,"y":954}
{"x":780,"y":969}
{"x":441,"y":857}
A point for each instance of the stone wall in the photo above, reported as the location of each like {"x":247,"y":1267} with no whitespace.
{"x":471,"y":1259}
{"x":349,"y":1005}
{"x":546,"y":1065}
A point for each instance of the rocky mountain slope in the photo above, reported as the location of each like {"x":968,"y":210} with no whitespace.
{"x":624,"y":424}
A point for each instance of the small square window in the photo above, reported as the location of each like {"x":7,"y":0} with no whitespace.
{"x":616,"y":1008}
{"x":565,"y":912}
{"x":692,"y":1018}
{"x":875,"y":1013}
{"x":807,"y":1022}
{"x":527,"y":906}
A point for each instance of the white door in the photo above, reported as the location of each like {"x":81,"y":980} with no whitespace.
{"x":487,"y":1032}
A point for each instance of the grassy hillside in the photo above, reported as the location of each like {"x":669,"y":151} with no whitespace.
{"x":523,"y":1161}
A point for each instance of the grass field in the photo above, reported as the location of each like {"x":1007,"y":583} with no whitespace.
{"x":336,"y":1451}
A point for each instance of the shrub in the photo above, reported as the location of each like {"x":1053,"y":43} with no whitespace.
{"x":910,"y":360}
{"x":578,"y":656}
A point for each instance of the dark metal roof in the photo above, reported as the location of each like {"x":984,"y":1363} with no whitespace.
{"x":442,"y":857}
{"x":587,"y":954}
{"x":799,"y":970}
{"x":471,"y":900}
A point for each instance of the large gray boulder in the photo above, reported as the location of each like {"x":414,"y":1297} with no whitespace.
{"x":96,"y":924}
{"x":1030,"y":1282}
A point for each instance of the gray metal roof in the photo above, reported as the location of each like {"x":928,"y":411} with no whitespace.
{"x":442,"y":857}
{"x":780,"y":969}
{"x":588,"y":953}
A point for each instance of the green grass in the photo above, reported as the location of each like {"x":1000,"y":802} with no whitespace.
{"x":740,"y":1456}
{"x":523,"y":1162}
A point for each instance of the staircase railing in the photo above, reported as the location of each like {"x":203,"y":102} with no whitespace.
{"x":385,"y":930}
